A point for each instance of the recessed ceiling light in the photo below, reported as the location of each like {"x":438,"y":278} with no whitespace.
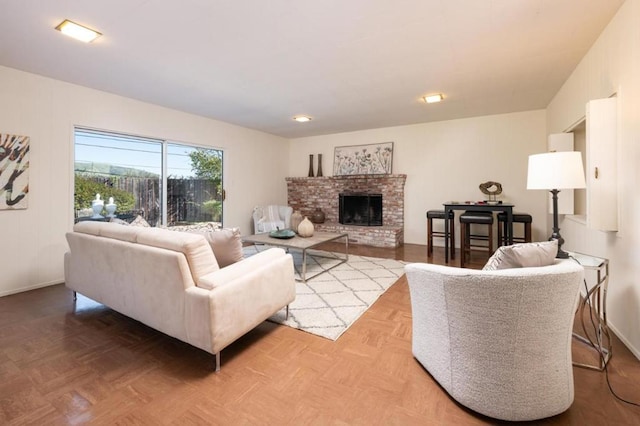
{"x":302,"y":118}
{"x":77,"y":31}
{"x":431,"y":99}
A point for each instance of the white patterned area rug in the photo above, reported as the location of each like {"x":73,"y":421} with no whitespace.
{"x":329,"y":302}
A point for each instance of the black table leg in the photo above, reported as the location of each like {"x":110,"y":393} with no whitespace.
{"x":447,"y":211}
{"x":510,"y":225}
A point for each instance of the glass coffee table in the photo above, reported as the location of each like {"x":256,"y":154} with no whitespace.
{"x":303,"y":245}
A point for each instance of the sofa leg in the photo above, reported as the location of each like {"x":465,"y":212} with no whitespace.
{"x":217,"y":355}
{"x":75,"y":296}
{"x":286,"y":316}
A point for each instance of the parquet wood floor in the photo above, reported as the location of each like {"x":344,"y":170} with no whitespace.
{"x":65,"y":363}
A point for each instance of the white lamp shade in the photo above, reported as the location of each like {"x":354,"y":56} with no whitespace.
{"x":556,"y":170}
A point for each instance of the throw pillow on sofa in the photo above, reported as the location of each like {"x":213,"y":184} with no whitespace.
{"x":225,"y":243}
{"x":119,"y":221}
{"x":139,"y":221}
{"x":199,"y":226}
{"x":523,"y":256}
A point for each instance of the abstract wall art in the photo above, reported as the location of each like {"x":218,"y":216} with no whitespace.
{"x":372,"y":159}
{"x":14,"y":171}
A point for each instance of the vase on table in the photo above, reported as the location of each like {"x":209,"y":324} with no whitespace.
{"x":296,"y":218}
{"x":318,"y":216}
{"x":305,"y":229}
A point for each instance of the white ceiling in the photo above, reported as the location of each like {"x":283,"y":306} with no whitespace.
{"x":350,"y":64}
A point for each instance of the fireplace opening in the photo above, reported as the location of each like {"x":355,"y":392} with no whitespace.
{"x":360,"y":209}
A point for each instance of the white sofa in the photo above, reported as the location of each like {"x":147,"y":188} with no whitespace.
{"x":171,"y":282}
{"x":499,"y":342}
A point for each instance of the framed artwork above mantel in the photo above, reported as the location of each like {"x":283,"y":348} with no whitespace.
{"x":370,"y":159}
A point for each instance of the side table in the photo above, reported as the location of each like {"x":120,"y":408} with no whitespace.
{"x":594,"y":305}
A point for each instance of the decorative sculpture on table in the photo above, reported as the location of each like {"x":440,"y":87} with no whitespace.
{"x":110,"y":208}
{"x":492,"y":189}
{"x":97,"y":206}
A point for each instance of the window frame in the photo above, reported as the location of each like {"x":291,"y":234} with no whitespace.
{"x":164,"y":167}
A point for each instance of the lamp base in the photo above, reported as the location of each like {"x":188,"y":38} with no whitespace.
{"x":555,"y":235}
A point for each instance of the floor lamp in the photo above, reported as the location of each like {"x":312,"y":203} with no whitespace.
{"x":554,"y":171}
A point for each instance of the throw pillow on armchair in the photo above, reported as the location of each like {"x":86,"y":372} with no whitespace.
{"x":523,"y":255}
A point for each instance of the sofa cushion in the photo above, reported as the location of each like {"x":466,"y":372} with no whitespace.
{"x":196,"y":249}
{"x":88,"y":227}
{"x":108,"y":230}
{"x":241,"y":269}
{"x":225,"y":243}
{"x":523,"y":256}
{"x":123,"y":233}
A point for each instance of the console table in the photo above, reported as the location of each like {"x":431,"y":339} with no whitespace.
{"x":595,"y":302}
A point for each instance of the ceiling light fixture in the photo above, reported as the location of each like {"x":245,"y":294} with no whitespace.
{"x":77,"y":31}
{"x":432,"y":99}
{"x":302,"y":118}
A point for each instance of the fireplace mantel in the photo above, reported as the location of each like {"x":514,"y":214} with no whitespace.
{"x":351,"y":177}
{"x":308,"y":193}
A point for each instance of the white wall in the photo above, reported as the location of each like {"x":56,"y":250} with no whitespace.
{"x":448,"y":160}
{"x":612,"y":65}
{"x":443,"y":161}
{"x":32,"y":241}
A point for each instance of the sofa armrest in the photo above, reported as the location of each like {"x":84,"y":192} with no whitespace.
{"x":253,"y":290}
{"x":197,"y":313}
{"x":236,"y":270}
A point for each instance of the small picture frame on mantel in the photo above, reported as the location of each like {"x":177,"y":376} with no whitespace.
{"x":371,"y":159}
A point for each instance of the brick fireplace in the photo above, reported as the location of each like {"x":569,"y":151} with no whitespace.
{"x":308,"y":193}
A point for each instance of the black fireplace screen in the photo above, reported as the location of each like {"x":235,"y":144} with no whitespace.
{"x":360,"y":209}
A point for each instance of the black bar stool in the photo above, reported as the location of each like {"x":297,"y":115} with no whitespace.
{"x":523,"y":218}
{"x":439,"y":214}
{"x":467,"y":239}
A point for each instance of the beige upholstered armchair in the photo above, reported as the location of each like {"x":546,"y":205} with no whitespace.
{"x":499,"y":342}
{"x":270,"y":218}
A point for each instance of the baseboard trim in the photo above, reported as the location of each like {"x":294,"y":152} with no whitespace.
{"x":31,"y":287}
{"x":624,"y":341}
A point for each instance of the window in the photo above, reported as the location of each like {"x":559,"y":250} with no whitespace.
{"x":164,"y":182}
